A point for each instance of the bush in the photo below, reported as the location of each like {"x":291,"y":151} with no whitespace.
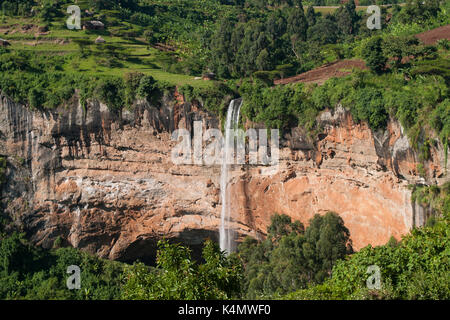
{"x":147,"y":85}
{"x":369,"y":106}
{"x":111,"y":92}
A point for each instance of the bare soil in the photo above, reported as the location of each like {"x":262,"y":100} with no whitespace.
{"x":321,"y":74}
{"x":432,"y":36}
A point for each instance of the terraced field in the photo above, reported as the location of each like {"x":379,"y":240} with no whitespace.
{"x":130,"y":54}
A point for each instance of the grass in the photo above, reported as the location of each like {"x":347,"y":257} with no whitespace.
{"x":133,"y":54}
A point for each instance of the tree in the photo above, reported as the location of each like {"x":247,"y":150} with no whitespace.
{"x":222,"y":57}
{"x":346,"y":18}
{"x":297,"y":25}
{"x":282,"y":225}
{"x":310,"y":16}
{"x":399,"y":47}
{"x":147,"y":86}
{"x":36,"y":98}
{"x":373,"y":55}
{"x":132,"y":82}
{"x":326,"y":240}
{"x":291,"y":257}
{"x":323,"y":32}
{"x":101,"y":4}
{"x":111,"y":92}
{"x":276,"y":25}
{"x":263,"y":60}
{"x":149,"y":36}
{"x":369,"y":106}
{"x":415,"y":10}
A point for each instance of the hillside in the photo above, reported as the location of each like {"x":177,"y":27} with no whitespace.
{"x":92,"y":121}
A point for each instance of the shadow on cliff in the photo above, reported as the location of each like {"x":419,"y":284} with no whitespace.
{"x":145,"y":250}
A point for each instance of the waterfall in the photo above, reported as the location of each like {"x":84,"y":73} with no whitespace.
{"x":225,"y":232}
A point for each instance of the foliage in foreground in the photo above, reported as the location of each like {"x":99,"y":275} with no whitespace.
{"x":27,"y":272}
{"x":292,"y":257}
{"x":178,"y":277}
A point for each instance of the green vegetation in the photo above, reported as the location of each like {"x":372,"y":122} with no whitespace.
{"x":433,"y":197}
{"x":292,"y":257}
{"x":27,"y":272}
{"x":247,"y":43}
{"x":154,"y":46}
{"x":373,"y":54}
{"x":178,"y":277}
{"x":292,"y":263}
{"x":280,"y":40}
{"x":278,"y":107}
{"x":416,"y":268}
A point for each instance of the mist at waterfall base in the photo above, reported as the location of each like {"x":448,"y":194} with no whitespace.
{"x":226,"y":233}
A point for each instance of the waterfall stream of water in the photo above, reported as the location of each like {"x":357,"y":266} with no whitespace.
{"x":225,"y":231}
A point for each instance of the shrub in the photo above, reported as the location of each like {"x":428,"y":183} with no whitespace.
{"x":147,"y":85}
{"x":369,"y":106}
{"x":111,"y":92}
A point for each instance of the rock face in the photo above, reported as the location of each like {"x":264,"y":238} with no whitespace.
{"x":105,"y":182}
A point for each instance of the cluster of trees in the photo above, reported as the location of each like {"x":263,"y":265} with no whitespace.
{"x":360,"y":2}
{"x":39,"y":82}
{"x":24,"y":7}
{"x":417,"y":11}
{"x":12,"y":8}
{"x":35,"y":80}
{"x":289,"y":259}
{"x":280,"y":107}
{"x":27,"y":272}
{"x":391,"y":53}
{"x":292,"y":257}
{"x":286,"y":40}
{"x":277,"y":39}
{"x":47,"y":10}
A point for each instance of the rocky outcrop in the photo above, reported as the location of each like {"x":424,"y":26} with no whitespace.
{"x":349,"y":169}
{"x":105,"y":182}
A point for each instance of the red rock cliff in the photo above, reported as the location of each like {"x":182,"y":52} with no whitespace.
{"x":105,"y":183}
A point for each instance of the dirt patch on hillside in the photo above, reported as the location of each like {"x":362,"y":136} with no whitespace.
{"x":321,"y":74}
{"x":25,"y":29}
{"x":164,"y":47}
{"x":432,"y":36}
